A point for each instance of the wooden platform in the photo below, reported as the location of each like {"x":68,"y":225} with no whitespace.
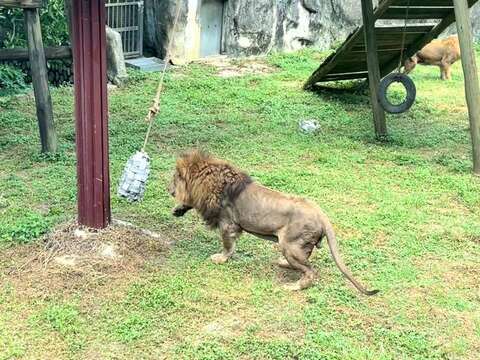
{"x":350,"y":60}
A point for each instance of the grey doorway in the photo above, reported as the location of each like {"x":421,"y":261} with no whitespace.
{"x":211,"y":26}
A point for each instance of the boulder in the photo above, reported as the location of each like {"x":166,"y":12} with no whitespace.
{"x":116,"y":69}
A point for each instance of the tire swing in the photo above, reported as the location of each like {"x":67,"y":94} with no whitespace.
{"x":134,"y":178}
{"x":398,"y":77}
{"x":410,"y":89}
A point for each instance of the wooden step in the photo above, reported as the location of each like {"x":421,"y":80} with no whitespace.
{"x":429,"y":3}
{"x":416,"y":13}
{"x":346,"y":76}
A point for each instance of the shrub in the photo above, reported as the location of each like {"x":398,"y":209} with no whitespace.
{"x":12,"y":80}
{"x":54,"y":26}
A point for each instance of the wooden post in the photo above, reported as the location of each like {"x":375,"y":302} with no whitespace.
{"x":91,"y":113}
{"x":373,"y":68}
{"x":472,"y":89}
{"x":38,"y":66}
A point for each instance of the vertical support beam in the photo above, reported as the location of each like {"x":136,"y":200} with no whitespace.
{"x":472,"y":89}
{"x":91,"y":113}
{"x":38,"y":66}
{"x":373,"y":68}
{"x":141,"y":16}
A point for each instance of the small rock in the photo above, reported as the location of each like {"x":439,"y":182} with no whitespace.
{"x":81,"y":234}
{"x":236,"y":324}
{"x":67,"y":260}
{"x":44,"y":209}
{"x":214,"y":328}
{"x":108,"y":251}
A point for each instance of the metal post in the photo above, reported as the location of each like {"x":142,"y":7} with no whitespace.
{"x":90,"y":74}
{"x":472,"y":89}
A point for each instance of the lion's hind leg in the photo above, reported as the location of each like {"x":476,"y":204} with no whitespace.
{"x":297,"y":257}
{"x":283,"y":263}
{"x":229,"y":233}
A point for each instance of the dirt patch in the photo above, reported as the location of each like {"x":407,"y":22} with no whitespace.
{"x":71,"y":259}
{"x":227,"y":68}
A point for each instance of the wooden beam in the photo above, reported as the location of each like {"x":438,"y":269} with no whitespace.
{"x":351,"y":41}
{"x":373,"y":68}
{"x":23,"y":4}
{"x":472,"y":88}
{"x":91,"y":112}
{"x":346,"y":76}
{"x":38,"y":66}
{"x":430,"y":3}
{"x":51,"y":53}
{"x":416,"y":13}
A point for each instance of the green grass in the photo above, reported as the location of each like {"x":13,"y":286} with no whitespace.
{"x":406,"y":212}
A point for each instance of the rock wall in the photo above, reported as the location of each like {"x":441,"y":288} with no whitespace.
{"x":287,"y":25}
{"x":255,"y":27}
{"x":159,"y":18}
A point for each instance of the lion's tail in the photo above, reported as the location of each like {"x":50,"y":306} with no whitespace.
{"x":333,"y":245}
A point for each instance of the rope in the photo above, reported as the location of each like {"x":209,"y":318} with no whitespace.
{"x":400,"y":61}
{"x":155,"y":108}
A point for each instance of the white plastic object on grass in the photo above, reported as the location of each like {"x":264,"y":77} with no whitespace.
{"x":309,"y":126}
{"x":134,"y":178}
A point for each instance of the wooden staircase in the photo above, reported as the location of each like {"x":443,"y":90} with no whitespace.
{"x":350,"y":60}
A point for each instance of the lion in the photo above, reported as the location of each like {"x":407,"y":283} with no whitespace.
{"x":441,"y":52}
{"x":229,"y":200}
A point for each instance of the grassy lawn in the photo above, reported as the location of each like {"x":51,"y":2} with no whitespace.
{"x":406,"y":212}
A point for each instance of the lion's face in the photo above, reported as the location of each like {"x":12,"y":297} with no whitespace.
{"x":178,"y":188}
{"x":410,"y":64}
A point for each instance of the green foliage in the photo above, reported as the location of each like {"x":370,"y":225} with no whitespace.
{"x":52,"y":19}
{"x":131,"y":328}
{"x":12,"y":80}
{"x":66,"y":320}
{"x":24,"y":227}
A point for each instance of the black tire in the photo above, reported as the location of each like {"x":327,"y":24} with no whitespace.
{"x":410,"y":89}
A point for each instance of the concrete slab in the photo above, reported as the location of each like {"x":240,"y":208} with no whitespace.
{"x":149,"y":64}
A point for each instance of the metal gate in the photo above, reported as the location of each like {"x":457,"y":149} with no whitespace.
{"x":126,"y":17}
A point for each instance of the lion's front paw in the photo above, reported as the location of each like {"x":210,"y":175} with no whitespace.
{"x":180,"y":210}
{"x":219,"y":258}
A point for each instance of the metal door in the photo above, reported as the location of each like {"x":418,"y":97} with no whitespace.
{"x":126,"y":17}
{"x":211,"y":23}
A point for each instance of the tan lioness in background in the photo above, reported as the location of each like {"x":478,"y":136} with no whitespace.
{"x":440,"y":52}
{"x":229,"y":200}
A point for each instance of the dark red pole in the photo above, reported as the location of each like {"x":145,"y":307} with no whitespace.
{"x":91,"y":112}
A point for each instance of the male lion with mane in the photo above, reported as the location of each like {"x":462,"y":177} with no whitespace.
{"x":228,"y":199}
